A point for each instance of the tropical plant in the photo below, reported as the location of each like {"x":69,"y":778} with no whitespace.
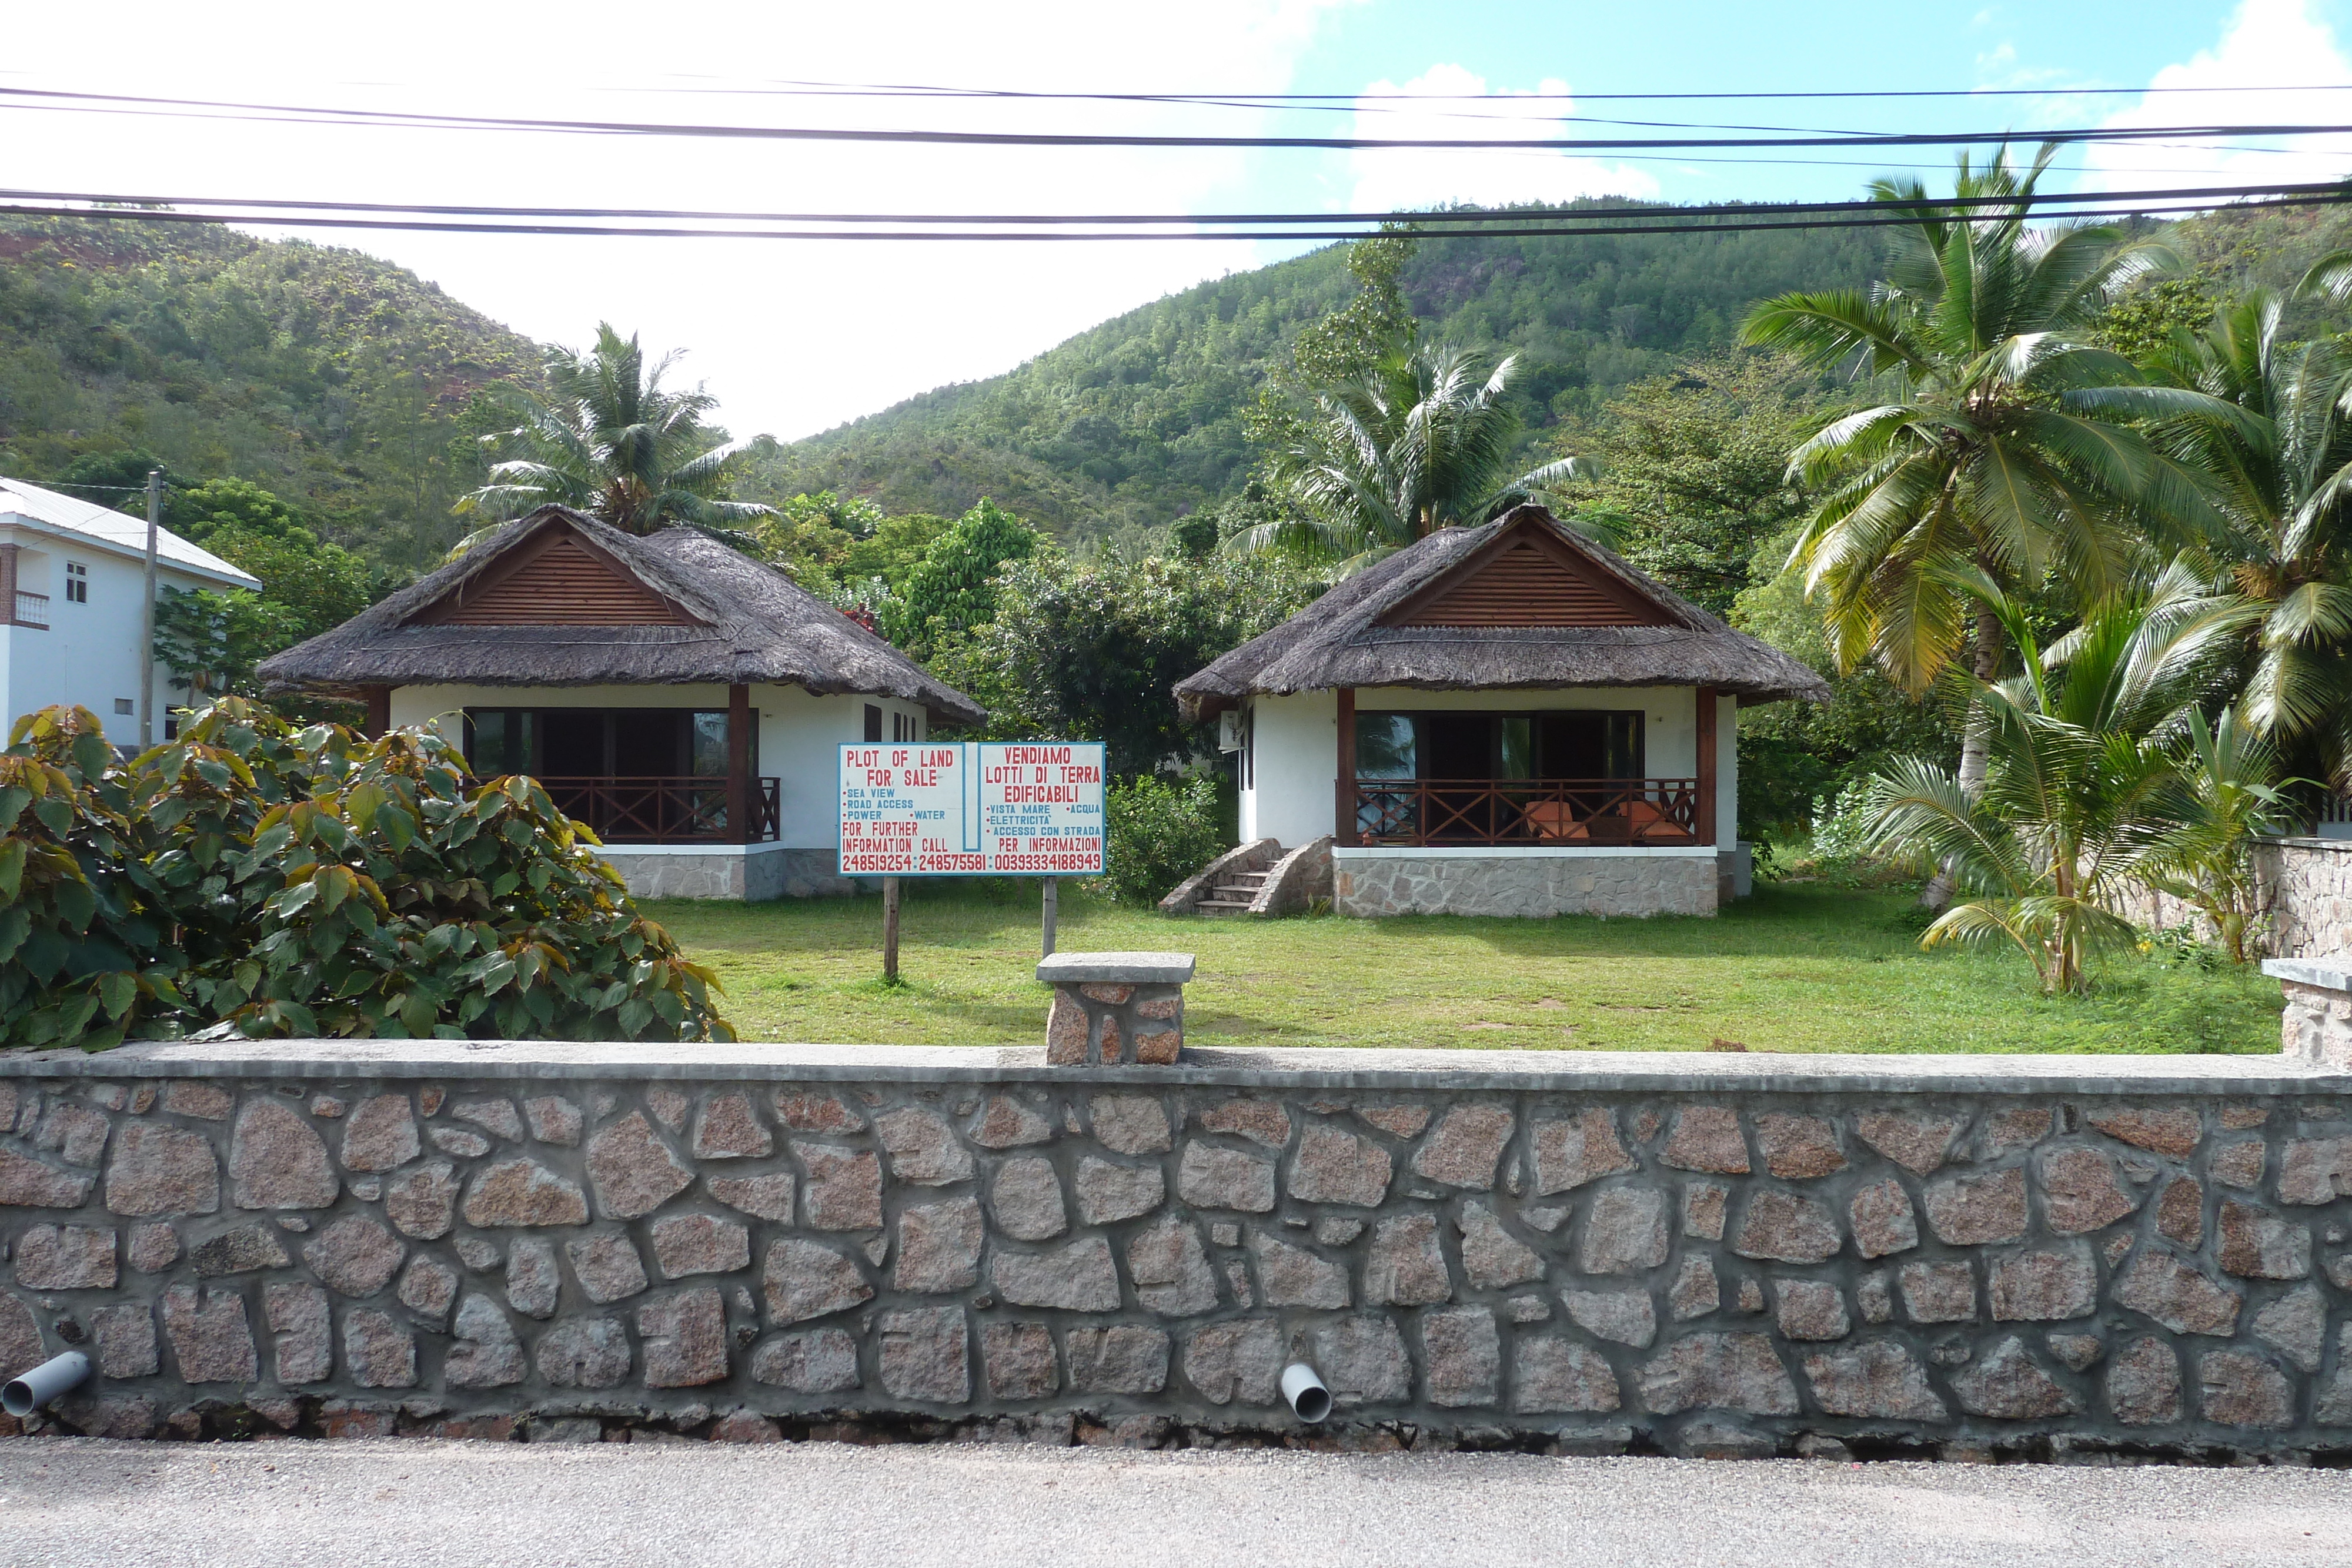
{"x":2266,"y":427}
{"x":953,"y":589}
{"x":2080,"y":794}
{"x":1158,"y":832}
{"x":609,"y":439}
{"x":1971,"y":465}
{"x":2226,"y":799}
{"x":288,"y":880}
{"x":1423,"y":442}
{"x":1089,"y":650}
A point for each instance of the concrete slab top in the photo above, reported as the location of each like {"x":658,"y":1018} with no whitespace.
{"x":2333,"y":974}
{"x":1117,"y":968}
{"x":1498,"y":1071}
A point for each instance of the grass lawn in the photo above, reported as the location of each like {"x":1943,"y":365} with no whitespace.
{"x":1797,"y":967}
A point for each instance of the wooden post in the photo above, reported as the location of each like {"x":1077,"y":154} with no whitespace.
{"x":1706,"y":765}
{"x":889,"y":930}
{"x":379,"y":712}
{"x":1053,"y":911}
{"x":740,"y":825}
{"x":1343,"y":817}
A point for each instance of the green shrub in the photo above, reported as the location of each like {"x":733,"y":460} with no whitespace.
{"x":1160,"y":833}
{"x":312,"y":882}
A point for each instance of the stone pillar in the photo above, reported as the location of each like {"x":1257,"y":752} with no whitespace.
{"x":2315,"y":1025}
{"x":1116,"y":1006}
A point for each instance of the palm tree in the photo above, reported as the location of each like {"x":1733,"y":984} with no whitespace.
{"x":1424,"y":442}
{"x":2082,"y":797}
{"x":610,"y":440}
{"x":2206,"y":859}
{"x":2267,"y":428}
{"x":1972,"y":465}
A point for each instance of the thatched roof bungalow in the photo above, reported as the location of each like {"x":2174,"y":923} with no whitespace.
{"x":1506,"y":719}
{"x":684,"y":700}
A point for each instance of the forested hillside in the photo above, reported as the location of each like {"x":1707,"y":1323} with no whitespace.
{"x":1139,"y":420}
{"x":337,"y":381}
{"x":348,"y":386}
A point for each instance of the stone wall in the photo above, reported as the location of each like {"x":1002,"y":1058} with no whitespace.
{"x":1527,"y":884}
{"x":2302,"y":890}
{"x":1698,"y":1255}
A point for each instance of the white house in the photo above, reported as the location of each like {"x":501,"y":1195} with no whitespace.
{"x":686,"y":702}
{"x":1498,"y":720}
{"x":72,"y":576}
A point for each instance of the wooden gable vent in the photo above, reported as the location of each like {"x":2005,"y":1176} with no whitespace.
{"x":558,"y":583}
{"x":1528,"y":581}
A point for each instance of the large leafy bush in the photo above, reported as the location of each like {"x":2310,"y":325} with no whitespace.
{"x":1160,"y":833}
{"x":290,"y":880}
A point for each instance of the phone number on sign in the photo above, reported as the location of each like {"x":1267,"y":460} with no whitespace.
{"x":1077,"y":863}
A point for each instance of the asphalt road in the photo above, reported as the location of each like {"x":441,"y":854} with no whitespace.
{"x":406,"y":1501}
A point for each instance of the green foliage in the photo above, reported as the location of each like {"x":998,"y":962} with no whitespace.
{"x":2228,"y":798}
{"x":2143,"y":321}
{"x":1160,"y":831}
{"x":1142,"y":418}
{"x":1793,"y":753}
{"x":610,"y":440}
{"x":953,"y":589}
{"x":1692,"y":480}
{"x":306,"y":882}
{"x":1090,"y":651}
{"x":1967,"y":464}
{"x":1424,"y":442}
{"x":85,"y":943}
{"x":330,"y":378}
{"x":212,"y":643}
{"x":2079,"y":791}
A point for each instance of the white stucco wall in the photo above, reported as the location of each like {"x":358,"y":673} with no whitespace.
{"x":1292,"y":768}
{"x":91,"y":652}
{"x":1289,"y":793}
{"x":800,"y":734}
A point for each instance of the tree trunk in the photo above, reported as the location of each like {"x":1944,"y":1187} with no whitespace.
{"x":1937,"y":895}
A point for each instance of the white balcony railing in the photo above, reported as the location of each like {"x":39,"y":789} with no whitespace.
{"x":32,"y":610}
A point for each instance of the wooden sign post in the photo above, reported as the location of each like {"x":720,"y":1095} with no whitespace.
{"x":889,"y":930}
{"x":1053,"y":911}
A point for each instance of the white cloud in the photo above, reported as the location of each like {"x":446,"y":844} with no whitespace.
{"x":1408,"y":178}
{"x":2267,"y":48}
{"x":793,"y":337}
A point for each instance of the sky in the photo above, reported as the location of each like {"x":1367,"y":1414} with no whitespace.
{"x":794,"y":337}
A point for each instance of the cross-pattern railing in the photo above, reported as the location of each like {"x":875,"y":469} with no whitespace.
{"x":663,"y":811}
{"x":1525,"y":812}
{"x":31,"y":610}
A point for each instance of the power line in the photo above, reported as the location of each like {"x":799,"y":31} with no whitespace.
{"x":37,"y":97}
{"x":1509,"y":228}
{"x":1995,"y":206}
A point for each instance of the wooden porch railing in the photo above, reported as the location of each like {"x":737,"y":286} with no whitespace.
{"x":1527,"y":812}
{"x":663,"y":811}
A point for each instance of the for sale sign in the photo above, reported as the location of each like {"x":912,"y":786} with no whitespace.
{"x":1029,"y":808}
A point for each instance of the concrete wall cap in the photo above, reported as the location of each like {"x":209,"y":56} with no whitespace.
{"x":1310,"y":1067}
{"x":2329,"y":974}
{"x":1129,"y":968}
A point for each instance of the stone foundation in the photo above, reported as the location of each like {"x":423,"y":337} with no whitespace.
{"x":1589,"y":1253}
{"x":730,"y":872}
{"x":1530,"y":882}
{"x":1116,"y":1006}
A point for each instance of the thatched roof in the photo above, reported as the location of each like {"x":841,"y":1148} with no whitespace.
{"x":731,"y":621}
{"x":1353,"y":636}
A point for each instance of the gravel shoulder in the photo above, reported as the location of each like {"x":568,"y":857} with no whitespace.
{"x":403,"y":1501}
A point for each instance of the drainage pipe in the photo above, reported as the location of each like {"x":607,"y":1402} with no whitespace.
{"x":29,"y":1391}
{"x":1308,"y":1399}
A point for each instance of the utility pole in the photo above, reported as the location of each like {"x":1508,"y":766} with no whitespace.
{"x":147,"y":615}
